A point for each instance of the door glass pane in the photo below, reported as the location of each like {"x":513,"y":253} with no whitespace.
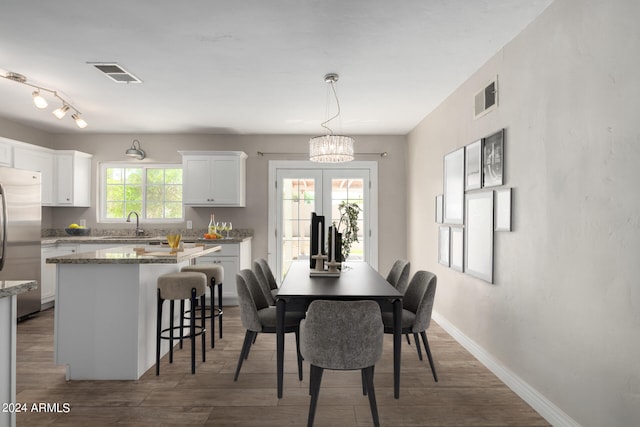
{"x":350,"y":191}
{"x":298,"y":201}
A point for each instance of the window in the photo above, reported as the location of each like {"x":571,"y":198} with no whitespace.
{"x":154,"y":191}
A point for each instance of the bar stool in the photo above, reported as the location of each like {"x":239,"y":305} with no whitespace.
{"x":181,"y":286}
{"x":215,"y":277}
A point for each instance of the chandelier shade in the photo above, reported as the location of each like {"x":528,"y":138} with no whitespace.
{"x":331,"y":149}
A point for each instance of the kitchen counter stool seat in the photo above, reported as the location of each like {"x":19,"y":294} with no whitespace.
{"x":215,"y":277}
{"x":181,"y":286}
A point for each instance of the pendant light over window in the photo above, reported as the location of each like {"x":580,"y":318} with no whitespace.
{"x":331,"y":148}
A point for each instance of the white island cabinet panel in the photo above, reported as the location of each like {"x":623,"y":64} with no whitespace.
{"x":105,"y":312}
{"x":214,"y":178}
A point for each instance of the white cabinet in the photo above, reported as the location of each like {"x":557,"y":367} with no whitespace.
{"x":214,"y":178}
{"x":233,"y":257}
{"x":66,"y":174}
{"x":39,"y":160}
{"x":48,"y":279}
{"x":6,"y":153}
{"x":73,"y":183}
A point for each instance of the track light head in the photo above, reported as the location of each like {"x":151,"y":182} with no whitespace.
{"x":79,"y":120}
{"x":38,"y":100}
{"x":61,"y":111}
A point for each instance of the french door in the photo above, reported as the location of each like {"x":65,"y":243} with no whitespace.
{"x":300,"y":188}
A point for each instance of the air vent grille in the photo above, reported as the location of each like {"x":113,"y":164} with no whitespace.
{"x":115,"y":72}
{"x":486,"y":100}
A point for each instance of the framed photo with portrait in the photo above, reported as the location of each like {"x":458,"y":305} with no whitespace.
{"x":493,"y":159}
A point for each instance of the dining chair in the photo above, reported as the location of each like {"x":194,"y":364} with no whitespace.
{"x":399,"y":275}
{"x":259,"y":317}
{"x":417,"y":305}
{"x":265,"y":274}
{"x":342,"y":335}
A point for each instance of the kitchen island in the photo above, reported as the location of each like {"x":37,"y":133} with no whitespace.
{"x":105,"y":309}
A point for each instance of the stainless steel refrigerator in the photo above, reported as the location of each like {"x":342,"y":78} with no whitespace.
{"x":20,"y":218}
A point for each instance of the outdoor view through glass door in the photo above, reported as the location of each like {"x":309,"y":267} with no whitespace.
{"x":301,"y":191}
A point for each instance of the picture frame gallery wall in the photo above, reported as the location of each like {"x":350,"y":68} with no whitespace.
{"x":474,"y":204}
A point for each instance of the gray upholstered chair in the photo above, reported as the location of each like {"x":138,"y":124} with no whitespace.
{"x":399,"y":275}
{"x":417,"y":305}
{"x":266,"y":278}
{"x":259,"y":317}
{"x":342,"y":335}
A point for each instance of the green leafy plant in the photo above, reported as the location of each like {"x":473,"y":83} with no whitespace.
{"x":349,"y":213}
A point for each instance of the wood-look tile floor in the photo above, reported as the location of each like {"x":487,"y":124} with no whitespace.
{"x":467,"y":394}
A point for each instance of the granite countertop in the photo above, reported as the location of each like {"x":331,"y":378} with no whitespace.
{"x":120,"y":240}
{"x":133,"y":254}
{"x":14,"y":287}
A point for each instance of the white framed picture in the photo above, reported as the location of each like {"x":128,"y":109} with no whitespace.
{"x":478,"y":236}
{"x":457,"y":248}
{"x":439,"y":207}
{"x":454,"y":187}
{"x":503,"y":209}
{"x":473,"y":165}
{"x":443,"y":245}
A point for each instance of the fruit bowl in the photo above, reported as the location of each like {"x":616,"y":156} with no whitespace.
{"x":80,"y":231}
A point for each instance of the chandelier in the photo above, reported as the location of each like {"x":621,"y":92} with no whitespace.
{"x":331,"y":148}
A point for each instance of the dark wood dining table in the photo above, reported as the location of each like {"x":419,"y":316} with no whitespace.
{"x":357,"y":281}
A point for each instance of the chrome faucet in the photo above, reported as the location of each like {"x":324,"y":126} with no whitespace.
{"x":139,"y":231}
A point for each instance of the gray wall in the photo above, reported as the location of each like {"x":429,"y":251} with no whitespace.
{"x":564,"y":312}
{"x":163,"y":148}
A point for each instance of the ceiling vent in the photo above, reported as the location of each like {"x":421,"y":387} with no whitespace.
{"x":486,"y":100}
{"x":115,"y":72}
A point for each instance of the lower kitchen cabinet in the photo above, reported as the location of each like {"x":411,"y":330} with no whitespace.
{"x":48,"y":277}
{"x":233,"y":257}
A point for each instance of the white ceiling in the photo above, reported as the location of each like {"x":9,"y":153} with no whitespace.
{"x":249,"y":67}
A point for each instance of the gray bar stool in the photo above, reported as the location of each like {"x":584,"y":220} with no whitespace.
{"x":181,"y":286}
{"x":215,"y":277}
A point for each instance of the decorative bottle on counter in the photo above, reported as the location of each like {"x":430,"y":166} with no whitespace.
{"x":212,"y":225}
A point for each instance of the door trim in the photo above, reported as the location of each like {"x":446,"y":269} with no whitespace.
{"x":372,"y":166}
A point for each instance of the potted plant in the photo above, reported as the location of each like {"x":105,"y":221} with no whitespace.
{"x":349,"y":213}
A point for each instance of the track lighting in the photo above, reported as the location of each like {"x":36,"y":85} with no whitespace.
{"x":61,"y":111}
{"x":41,"y":103}
{"x":38,"y":100}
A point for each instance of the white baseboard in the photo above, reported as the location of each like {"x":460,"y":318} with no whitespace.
{"x":550,"y":412}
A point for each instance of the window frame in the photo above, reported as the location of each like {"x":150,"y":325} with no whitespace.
{"x":102,"y":184}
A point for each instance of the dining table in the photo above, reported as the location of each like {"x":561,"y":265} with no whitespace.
{"x":356,"y":281}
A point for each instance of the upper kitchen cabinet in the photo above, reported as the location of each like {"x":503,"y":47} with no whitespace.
{"x":39,"y":160}
{"x":6,"y":153}
{"x":73,"y":173}
{"x":214,"y":178}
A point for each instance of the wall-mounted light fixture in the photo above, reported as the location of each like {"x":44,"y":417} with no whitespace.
{"x":138,"y":153}
{"x":41,"y":103}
